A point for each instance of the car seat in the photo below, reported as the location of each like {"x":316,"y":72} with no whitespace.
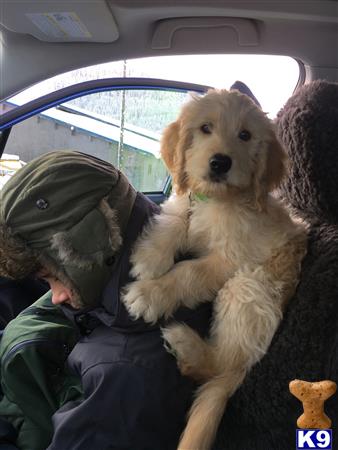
{"x":262,"y":414}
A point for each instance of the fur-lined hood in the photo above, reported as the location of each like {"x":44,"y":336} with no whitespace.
{"x":65,"y":211}
{"x":308,"y":127}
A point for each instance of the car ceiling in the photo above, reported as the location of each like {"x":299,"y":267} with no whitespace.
{"x":34,"y":46}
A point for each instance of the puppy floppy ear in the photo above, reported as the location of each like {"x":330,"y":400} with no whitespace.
{"x":272,"y":167}
{"x":173,"y":144}
{"x":276,"y":164}
{"x":169,"y":143}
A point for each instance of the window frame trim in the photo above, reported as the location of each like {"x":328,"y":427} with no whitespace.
{"x":53,"y":99}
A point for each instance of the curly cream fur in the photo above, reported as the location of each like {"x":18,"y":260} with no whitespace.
{"x":248,"y":249}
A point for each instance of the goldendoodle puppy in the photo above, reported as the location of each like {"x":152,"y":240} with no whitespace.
{"x":225,"y":160}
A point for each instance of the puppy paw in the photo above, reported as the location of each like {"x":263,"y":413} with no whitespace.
{"x":150,"y":265}
{"x":189,"y":349}
{"x":148,"y":299}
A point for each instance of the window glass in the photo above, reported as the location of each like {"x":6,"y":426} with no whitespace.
{"x":121,"y":126}
{"x":271,"y":78}
{"x":9,"y":164}
{"x":124,"y":126}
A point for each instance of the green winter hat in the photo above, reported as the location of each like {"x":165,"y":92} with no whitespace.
{"x":65,"y":211}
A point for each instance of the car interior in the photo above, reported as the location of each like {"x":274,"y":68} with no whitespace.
{"x":43,"y":39}
{"x":101,"y":31}
{"x":118,"y":114}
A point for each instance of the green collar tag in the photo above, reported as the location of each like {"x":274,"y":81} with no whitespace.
{"x":199,"y":197}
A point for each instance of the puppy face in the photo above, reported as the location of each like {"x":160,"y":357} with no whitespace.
{"x":221,"y":144}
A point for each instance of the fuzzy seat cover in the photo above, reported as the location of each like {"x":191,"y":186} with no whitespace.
{"x":262,"y":414}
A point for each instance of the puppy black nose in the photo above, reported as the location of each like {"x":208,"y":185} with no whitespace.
{"x":220,"y":164}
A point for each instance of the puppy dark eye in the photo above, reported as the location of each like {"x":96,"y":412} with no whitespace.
{"x":206,"y":128}
{"x":244,"y":135}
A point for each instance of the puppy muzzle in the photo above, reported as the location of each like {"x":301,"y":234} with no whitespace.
{"x":219,"y":166}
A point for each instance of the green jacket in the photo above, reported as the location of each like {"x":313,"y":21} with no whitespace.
{"x":37,"y":343}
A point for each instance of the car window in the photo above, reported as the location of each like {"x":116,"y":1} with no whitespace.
{"x":121,"y":126}
{"x":124,"y":126}
{"x":272,"y":78}
{"x":9,"y":164}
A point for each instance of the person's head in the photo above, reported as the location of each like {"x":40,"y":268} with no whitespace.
{"x":62,"y":218}
{"x":61,"y":292}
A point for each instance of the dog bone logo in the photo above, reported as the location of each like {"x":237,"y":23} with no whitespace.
{"x":313,"y":396}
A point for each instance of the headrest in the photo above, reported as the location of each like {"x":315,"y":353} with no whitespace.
{"x":242,"y":87}
{"x":308,"y":127}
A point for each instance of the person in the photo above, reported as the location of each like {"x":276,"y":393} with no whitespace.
{"x":71,"y":219}
{"x":14,"y":297}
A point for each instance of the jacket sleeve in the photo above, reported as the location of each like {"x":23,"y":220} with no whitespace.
{"x":17,"y":295}
{"x":7,"y":436}
{"x":121,"y":402}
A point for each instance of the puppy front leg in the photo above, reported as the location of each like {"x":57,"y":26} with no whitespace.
{"x":188,"y":283}
{"x":154,"y":252}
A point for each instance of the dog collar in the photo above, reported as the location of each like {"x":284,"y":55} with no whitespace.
{"x":198,"y":197}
